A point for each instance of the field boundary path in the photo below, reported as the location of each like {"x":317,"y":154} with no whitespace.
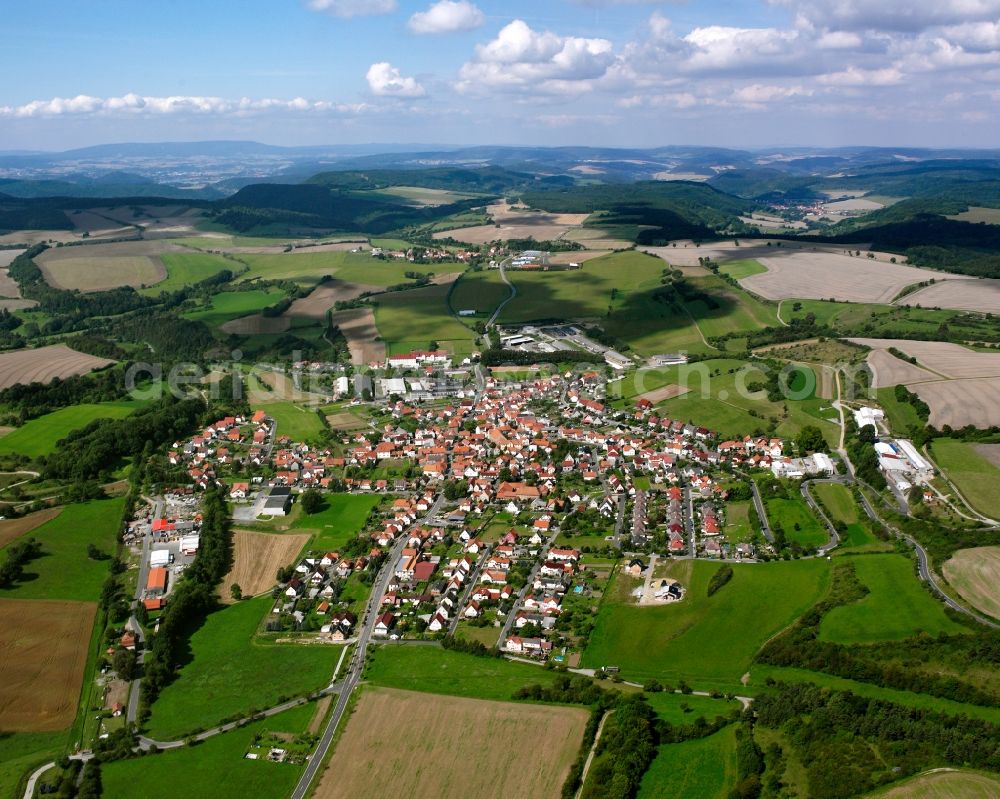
{"x":592,"y":754}
{"x":513,"y":293}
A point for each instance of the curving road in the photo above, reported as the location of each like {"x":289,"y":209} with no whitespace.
{"x":513,"y":293}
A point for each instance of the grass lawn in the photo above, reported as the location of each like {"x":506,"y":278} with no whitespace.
{"x":234,"y":304}
{"x":741,"y":269}
{"x":670,"y":707}
{"x":897,"y":606}
{"x":64,"y":571}
{"x":738,"y":528}
{"x":187,"y":268}
{"x":441,"y":671}
{"x":21,"y":752}
{"x":374,"y":271}
{"x":975,"y":476}
{"x":487,"y":636}
{"x":305,"y":267}
{"x":341,"y":520}
{"x":707,"y":641}
{"x":760,"y":673}
{"x":841,"y":506}
{"x":301,"y":424}
{"x":718,"y":398}
{"x":232,"y":673}
{"x":39,"y":436}
{"x":408,"y":319}
{"x":217,"y":767}
{"x":704,"y":768}
{"x":797,"y":520}
{"x":480,"y":291}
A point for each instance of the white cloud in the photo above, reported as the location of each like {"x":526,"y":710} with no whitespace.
{"x":723,"y":49}
{"x":854,"y":76}
{"x":520,"y":58}
{"x":139,"y":105}
{"x":890,"y":15}
{"x":385,"y":80}
{"x":759,"y":94}
{"x":447,"y":16}
{"x":978,"y":36}
{"x":353,"y":8}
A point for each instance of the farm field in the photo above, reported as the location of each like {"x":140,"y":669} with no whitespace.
{"x":325,"y":296}
{"x":741,"y":269}
{"x":412,"y":319}
{"x":45,"y":646}
{"x":362,"y":334}
{"x":305,"y":268}
{"x":232,"y":304}
{"x":42,"y":364}
{"x":517,"y":223}
{"x":946,"y":359}
{"x":421,"y":196}
{"x":39,"y":436}
{"x":975,"y":574}
{"x":442,"y":671}
{"x":735,"y":310}
{"x":974,"y":468}
{"x":187,"y":268}
{"x":479,"y":291}
{"x":704,"y":768}
{"x":796,"y":518}
{"x":343,"y":518}
{"x":958,"y":403}
{"x":63,"y":571}
{"x":302,"y":424}
{"x":707,"y":641}
{"x":966,"y":295}
{"x":231,"y":673}
{"x":11,"y":529}
{"x":945,"y":784}
{"x":897,"y":606}
{"x":889,"y":371}
{"x":376,"y":743}
{"x":759,"y":674}
{"x":102,"y":273}
{"x":195,"y":771}
{"x":827,"y":275}
{"x":256,"y":559}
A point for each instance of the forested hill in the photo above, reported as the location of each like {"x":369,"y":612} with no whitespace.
{"x":485,"y":180}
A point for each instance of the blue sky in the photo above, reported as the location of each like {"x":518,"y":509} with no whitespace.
{"x":612,"y":72}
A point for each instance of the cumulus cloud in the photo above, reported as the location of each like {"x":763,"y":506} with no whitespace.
{"x":854,"y":76}
{"x":139,"y":105}
{"x":759,"y":94}
{"x":353,"y":8}
{"x":521,"y":58}
{"x":385,"y":80}
{"x":447,"y":16}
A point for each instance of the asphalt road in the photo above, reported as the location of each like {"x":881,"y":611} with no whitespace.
{"x":513,"y":293}
{"x":834,"y":541}
{"x":758,"y":503}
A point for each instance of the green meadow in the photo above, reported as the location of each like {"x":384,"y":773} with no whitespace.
{"x":63,"y":571}
{"x":704,"y":768}
{"x":896,"y":607}
{"x":797,"y":520}
{"x":234,"y":304}
{"x":413,"y":319}
{"x":975,"y":476}
{"x":707,"y":641}
{"x":184,"y":269}
{"x":231,"y":672}
{"x":39,"y":436}
{"x":341,"y":519}
{"x":300,"y":424}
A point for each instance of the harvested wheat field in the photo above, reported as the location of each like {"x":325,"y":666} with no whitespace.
{"x":888,"y":370}
{"x":11,"y":529}
{"x":6,"y":256}
{"x":102,"y":274}
{"x":402,"y":743}
{"x":576,"y":256}
{"x":975,"y":574}
{"x":665,"y":393}
{"x":255,"y":324}
{"x":820,"y":275}
{"x":44,"y":645}
{"x":965,"y":295}
{"x":958,"y":403}
{"x":45,"y":363}
{"x":322,"y":298}
{"x":359,"y":328}
{"x":256,"y":559}
{"x":943,"y":357}
{"x":97,"y":225}
{"x":516,"y":222}
{"x":687,"y":253}
{"x":946,"y":784}
{"x":991,"y":452}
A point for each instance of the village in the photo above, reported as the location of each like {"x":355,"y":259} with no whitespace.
{"x":501,"y":515}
